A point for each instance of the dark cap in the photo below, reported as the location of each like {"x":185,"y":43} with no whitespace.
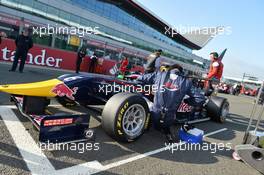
{"x":159,"y":50}
{"x":215,"y":54}
{"x":25,"y":30}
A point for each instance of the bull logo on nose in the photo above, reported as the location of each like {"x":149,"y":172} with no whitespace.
{"x":63,"y":90}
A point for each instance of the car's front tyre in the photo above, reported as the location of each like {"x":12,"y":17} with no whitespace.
{"x":125,"y":117}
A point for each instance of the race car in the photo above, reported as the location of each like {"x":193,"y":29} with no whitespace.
{"x":127,"y":104}
{"x":224,"y":88}
{"x":250,"y":92}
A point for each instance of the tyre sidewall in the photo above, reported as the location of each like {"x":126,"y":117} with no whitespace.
{"x":215,"y":107}
{"x":112,"y":122}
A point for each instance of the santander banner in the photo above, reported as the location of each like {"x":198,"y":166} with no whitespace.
{"x":53,"y":58}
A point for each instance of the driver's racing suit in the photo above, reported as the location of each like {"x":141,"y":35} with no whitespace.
{"x":170,"y":89}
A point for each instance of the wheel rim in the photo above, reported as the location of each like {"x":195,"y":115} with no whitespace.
{"x":133,"y":120}
{"x":225,"y":112}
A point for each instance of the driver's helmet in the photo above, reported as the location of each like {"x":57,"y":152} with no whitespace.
{"x":120,"y":77}
{"x":165,"y":66}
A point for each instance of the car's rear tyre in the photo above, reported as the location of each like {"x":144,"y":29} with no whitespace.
{"x":125,"y":117}
{"x":217,"y":109}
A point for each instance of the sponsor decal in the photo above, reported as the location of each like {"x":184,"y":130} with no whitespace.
{"x":171,"y":87}
{"x":54,"y":58}
{"x":41,"y":59}
{"x":147,"y":121}
{"x":63,"y":90}
{"x":57,"y":122}
{"x":184,"y":107}
{"x":120,"y":117}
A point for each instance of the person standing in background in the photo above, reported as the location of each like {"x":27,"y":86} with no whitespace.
{"x":215,"y":71}
{"x":23,"y":44}
{"x":0,"y":37}
{"x":123,"y":66}
{"x":216,"y":67}
{"x":80,"y":55}
{"x":93,"y":63}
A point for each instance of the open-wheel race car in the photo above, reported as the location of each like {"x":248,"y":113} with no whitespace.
{"x":125,"y":115}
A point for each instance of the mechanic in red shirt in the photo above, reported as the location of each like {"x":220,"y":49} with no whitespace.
{"x":215,"y":71}
{"x":123,"y":65}
{"x":216,"y":67}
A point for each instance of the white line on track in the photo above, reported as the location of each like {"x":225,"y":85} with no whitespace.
{"x":215,"y":132}
{"x":38,"y":163}
{"x":237,"y":122}
{"x":35,"y":159}
{"x":241,"y":122}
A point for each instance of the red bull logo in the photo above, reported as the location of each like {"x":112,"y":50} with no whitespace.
{"x":63,"y":90}
{"x":171,"y":87}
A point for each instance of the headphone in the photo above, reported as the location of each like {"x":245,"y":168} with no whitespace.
{"x":165,"y":68}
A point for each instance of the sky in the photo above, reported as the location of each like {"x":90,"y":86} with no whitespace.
{"x":245,"y":19}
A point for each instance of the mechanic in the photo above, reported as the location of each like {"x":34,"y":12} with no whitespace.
{"x":2,"y":35}
{"x":215,"y":73}
{"x":123,"y":66}
{"x":172,"y":87}
{"x":216,"y":68}
{"x":93,"y":63}
{"x":80,"y":55}
{"x":154,"y":62}
{"x":23,"y":44}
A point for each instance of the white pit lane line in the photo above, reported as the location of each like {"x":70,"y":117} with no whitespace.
{"x":38,"y":163}
{"x":35,"y":159}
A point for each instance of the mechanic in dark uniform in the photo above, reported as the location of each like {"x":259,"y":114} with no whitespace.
{"x":154,"y":62}
{"x":93,"y":63}
{"x":23,"y":44}
{"x":80,"y":55}
{"x":171,"y":86}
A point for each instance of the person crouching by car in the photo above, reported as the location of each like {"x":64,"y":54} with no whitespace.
{"x":93,"y":63}
{"x":80,"y":55}
{"x":23,"y":44}
{"x":172,"y":86}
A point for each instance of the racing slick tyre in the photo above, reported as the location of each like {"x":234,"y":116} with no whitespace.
{"x":66,"y":102}
{"x":218,"y":109}
{"x":125,"y":117}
